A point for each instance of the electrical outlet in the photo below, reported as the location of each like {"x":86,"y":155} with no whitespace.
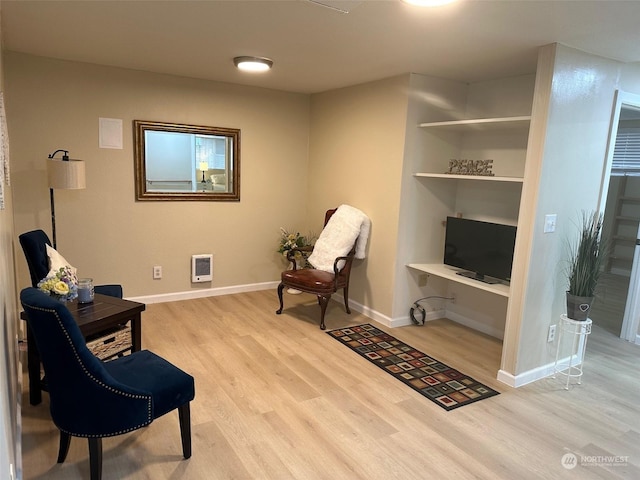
{"x":157,"y":272}
{"x":552,"y":333}
{"x":423,"y":279}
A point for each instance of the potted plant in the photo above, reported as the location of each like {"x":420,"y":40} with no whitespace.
{"x":585,"y":266}
{"x":295,"y":248}
{"x":294,"y":241}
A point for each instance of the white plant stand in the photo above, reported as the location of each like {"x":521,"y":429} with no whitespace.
{"x":575,"y":333}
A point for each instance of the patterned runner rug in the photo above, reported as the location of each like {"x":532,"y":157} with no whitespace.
{"x":440,"y":383}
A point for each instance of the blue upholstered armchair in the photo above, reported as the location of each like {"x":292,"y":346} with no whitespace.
{"x":94,"y":399}
{"x":34,"y":245}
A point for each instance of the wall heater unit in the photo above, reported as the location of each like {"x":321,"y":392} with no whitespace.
{"x":202,"y":268}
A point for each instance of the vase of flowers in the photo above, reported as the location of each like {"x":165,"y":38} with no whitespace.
{"x":62,"y":285}
{"x":290,"y":241}
{"x":294,"y":241}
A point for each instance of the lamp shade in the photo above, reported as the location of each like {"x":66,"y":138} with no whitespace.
{"x":66,"y":174}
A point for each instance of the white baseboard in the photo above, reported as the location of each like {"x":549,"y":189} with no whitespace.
{"x":212,"y":292}
{"x":384,"y":319}
{"x":406,"y":319}
{"x":205,"y":292}
{"x":526,"y":377}
{"x":366,"y":311}
{"x":535,"y":374}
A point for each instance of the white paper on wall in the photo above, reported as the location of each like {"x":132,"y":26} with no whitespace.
{"x":110,"y":133}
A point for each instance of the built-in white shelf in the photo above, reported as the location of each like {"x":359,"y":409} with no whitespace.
{"x":470,"y":177}
{"x":450,"y":273}
{"x":499,"y":123}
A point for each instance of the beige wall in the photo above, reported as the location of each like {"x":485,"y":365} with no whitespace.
{"x":356,"y":152}
{"x":102,"y":230}
{"x":9,"y":392}
{"x":289,"y":177}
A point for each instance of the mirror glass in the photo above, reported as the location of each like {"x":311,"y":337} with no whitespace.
{"x":186,"y":162}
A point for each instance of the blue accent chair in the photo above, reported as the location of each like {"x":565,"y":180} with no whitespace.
{"x":34,"y":244}
{"x":94,"y":399}
{"x":34,"y":247}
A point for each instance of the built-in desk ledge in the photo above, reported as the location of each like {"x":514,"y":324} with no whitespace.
{"x":450,"y":273}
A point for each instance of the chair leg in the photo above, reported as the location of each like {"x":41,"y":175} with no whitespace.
{"x":184,"y":414}
{"x":65,"y":441}
{"x":280,"y":288}
{"x":346,"y":299}
{"x":95,"y":457}
{"x":323,"y":301}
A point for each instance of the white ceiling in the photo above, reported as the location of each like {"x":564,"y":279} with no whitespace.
{"x":316,"y":48}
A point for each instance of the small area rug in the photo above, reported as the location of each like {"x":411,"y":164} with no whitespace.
{"x":440,"y":383}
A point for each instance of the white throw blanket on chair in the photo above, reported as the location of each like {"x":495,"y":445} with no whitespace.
{"x":336,"y":240}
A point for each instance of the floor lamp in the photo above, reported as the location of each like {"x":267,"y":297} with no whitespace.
{"x":65,"y":174}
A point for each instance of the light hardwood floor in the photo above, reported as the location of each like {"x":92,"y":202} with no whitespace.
{"x":276,"y":398}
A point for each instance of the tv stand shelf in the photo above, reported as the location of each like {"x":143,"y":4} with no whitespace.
{"x":449,"y":273}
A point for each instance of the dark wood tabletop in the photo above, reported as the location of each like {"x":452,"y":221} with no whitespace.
{"x":103,"y":312}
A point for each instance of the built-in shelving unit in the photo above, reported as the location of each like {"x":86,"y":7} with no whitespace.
{"x":450,"y":273}
{"x":472,"y":139}
{"x":503,"y":139}
{"x":470,"y":177}
{"x":499,"y":123}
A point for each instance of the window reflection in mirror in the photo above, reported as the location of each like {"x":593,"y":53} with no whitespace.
{"x":186,"y":162}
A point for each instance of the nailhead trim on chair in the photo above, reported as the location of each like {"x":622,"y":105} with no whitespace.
{"x":125,"y":394}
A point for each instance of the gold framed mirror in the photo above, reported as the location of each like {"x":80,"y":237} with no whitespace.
{"x":186,"y":162}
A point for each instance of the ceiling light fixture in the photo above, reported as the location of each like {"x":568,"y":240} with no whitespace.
{"x":253,"y":64}
{"x":428,"y":3}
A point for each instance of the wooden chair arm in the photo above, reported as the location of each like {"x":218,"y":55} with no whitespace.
{"x":347,"y":259}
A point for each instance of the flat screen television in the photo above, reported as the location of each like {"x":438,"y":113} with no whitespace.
{"x":483,"y":250}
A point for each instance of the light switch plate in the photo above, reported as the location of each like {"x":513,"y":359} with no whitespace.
{"x":550,"y":223}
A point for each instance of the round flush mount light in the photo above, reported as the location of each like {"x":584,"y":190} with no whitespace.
{"x":428,"y":3}
{"x":253,"y":64}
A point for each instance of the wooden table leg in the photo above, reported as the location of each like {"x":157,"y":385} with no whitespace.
{"x":136,"y":337}
{"x":33,"y":369}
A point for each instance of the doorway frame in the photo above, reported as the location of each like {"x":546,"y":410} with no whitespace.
{"x":631,"y":318}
